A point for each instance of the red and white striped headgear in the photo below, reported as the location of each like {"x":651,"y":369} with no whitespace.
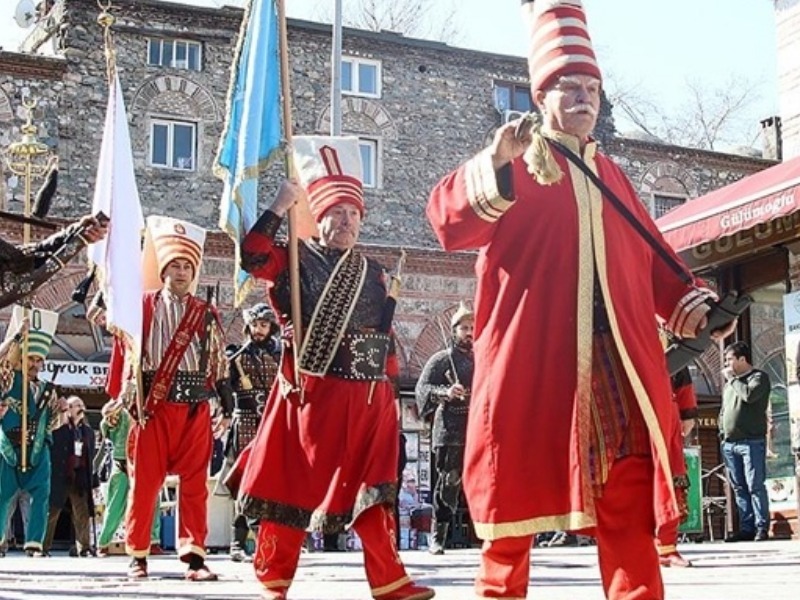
{"x":165,"y":240}
{"x":330,"y":170}
{"x":560,"y":43}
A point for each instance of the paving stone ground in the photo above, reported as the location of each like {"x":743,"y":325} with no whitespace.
{"x":749,"y":571}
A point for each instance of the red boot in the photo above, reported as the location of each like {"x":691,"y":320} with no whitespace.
{"x":410,"y":591}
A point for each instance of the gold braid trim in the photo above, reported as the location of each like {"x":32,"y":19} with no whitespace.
{"x":332,"y":314}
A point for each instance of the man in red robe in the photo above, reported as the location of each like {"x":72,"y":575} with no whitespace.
{"x":571,"y":399}
{"x":183,"y":366}
{"x":685,"y":416}
{"x":325,"y":455}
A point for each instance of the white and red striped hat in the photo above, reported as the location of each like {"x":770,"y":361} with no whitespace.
{"x":329,"y":169}
{"x":560,"y":43}
{"x":166,"y":239}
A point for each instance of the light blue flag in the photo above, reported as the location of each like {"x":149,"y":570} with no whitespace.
{"x":253,"y":129}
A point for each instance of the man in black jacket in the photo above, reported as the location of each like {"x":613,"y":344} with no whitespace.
{"x":75,"y":440}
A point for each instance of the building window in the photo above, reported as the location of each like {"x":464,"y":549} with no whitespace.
{"x":361,"y":77}
{"x":178,"y":54}
{"x":173,"y":145}
{"x":512,"y":96}
{"x":662,"y":204}
{"x":369,"y":161}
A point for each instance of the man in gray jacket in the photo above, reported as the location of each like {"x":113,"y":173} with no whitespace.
{"x":743,"y":430}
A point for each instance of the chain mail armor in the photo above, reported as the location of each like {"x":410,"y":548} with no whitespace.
{"x":449,"y":418}
{"x":253,"y":370}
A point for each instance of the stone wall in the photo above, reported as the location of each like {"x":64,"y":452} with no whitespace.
{"x":22,"y":79}
{"x":787,"y":16}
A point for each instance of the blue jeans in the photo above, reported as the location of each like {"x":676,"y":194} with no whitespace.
{"x":746,"y":461}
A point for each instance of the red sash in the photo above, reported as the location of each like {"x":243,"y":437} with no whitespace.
{"x":191,"y":323}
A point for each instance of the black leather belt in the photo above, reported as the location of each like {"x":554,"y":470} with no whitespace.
{"x":361,"y":356}
{"x":188,"y":387}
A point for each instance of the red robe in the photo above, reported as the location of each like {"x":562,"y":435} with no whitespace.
{"x":526,"y":465}
{"x":323,"y":462}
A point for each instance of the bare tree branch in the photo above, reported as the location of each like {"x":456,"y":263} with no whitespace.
{"x":428,"y":19}
{"x":709,"y":118}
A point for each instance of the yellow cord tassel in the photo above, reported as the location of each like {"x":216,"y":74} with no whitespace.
{"x":539,"y":157}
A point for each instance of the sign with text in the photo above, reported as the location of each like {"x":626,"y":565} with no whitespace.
{"x":75,"y":374}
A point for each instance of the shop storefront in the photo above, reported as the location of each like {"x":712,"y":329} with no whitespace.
{"x":745,"y":238}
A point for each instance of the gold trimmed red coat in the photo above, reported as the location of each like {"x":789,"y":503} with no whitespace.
{"x":526,"y":465}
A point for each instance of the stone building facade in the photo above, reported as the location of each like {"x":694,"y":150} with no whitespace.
{"x":787,"y":18}
{"x":419,"y":107}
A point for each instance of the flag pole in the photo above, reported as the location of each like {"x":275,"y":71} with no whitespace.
{"x":24,"y":159}
{"x":294,"y":257}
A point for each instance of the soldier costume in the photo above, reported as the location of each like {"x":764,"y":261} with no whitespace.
{"x":24,"y":269}
{"x":685,"y":405}
{"x":571,"y":402}
{"x":445,"y":369}
{"x":115,"y":427}
{"x":326,"y":457}
{"x":253,"y":367}
{"x":43,"y":416}
{"x":183,"y":365}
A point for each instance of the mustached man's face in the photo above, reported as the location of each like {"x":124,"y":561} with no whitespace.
{"x":35,"y":366}
{"x":571,"y":105}
{"x":340,"y":226}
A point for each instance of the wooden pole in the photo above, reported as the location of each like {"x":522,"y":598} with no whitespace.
{"x":294,"y":256}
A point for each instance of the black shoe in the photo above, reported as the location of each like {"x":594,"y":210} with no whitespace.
{"x":761,"y":535}
{"x":741,"y":536}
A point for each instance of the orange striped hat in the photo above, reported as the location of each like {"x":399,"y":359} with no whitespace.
{"x":560,"y":43}
{"x":166,"y":239}
{"x":330,"y":170}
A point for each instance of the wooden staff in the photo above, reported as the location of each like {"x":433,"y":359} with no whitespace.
{"x":294,"y":252}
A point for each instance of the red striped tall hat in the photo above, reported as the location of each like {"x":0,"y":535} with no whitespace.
{"x":330,"y":170}
{"x":560,"y":42}
{"x":166,"y":239}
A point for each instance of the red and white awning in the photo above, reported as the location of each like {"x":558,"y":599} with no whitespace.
{"x":758,"y":199}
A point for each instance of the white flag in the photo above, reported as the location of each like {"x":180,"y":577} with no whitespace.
{"x":118,"y":258}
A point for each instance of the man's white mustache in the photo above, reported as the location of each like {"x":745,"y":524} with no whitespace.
{"x":583,"y":108}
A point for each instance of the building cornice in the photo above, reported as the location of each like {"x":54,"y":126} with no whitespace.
{"x":32,"y":65}
{"x":625,"y":146}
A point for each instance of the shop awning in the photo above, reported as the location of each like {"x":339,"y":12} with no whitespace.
{"x":758,"y":211}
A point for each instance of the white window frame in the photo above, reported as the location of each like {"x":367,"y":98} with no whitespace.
{"x":355,"y":62}
{"x":163,"y":41}
{"x":375,"y":167}
{"x":170,"y":124}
